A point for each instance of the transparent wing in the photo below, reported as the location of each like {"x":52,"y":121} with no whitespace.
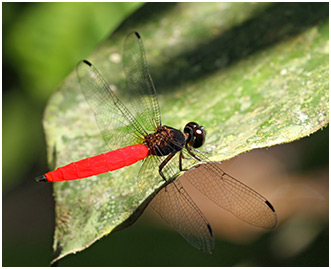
{"x":140,"y":88}
{"x":232,"y":195}
{"x":117,"y":125}
{"x":177,"y":208}
{"x":226,"y":191}
{"x":174,"y":204}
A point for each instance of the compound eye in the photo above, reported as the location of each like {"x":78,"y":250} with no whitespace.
{"x":195,"y":134}
{"x":199,"y":137}
{"x":190,"y":127}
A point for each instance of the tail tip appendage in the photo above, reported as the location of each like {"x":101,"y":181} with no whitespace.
{"x":41,"y":178}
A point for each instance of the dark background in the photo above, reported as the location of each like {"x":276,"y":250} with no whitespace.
{"x":35,"y":62}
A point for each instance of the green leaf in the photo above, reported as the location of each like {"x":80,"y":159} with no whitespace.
{"x":254,"y":74}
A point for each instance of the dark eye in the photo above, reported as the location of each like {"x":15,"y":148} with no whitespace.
{"x":196,"y":134}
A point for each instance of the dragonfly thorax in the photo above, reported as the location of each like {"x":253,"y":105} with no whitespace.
{"x":164,"y":141}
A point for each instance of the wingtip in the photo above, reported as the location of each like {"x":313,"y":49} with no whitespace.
{"x":87,"y":62}
{"x":137,"y":34}
{"x":210,"y":249}
{"x":210,"y":230}
{"x":270,"y":206}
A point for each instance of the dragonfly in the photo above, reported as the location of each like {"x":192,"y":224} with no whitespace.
{"x":133,"y":132}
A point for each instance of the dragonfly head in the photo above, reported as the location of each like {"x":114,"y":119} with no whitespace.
{"x":195,"y":134}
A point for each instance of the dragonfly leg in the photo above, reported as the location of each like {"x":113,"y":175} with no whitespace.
{"x":164,"y":163}
{"x":181,"y":157}
{"x":192,"y":154}
{"x":185,"y":157}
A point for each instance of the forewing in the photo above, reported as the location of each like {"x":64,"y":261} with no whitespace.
{"x":140,"y":88}
{"x":177,"y":208}
{"x":117,"y":125}
{"x":232,"y":195}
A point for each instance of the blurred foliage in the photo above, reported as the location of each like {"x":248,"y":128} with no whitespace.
{"x":42,"y":43}
{"x":68,"y":32}
{"x":261,"y":77}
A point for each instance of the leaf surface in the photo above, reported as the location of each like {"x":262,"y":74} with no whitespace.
{"x":254,"y":74}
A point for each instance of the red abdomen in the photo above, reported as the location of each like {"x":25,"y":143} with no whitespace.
{"x":99,"y":164}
